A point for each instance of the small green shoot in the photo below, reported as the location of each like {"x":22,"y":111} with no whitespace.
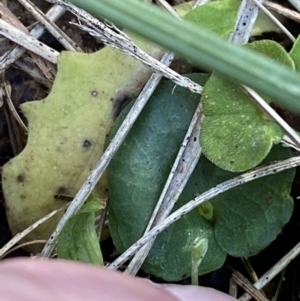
{"x":199,"y":250}
{"x":78,"y":240}
{"x":206,"y":210}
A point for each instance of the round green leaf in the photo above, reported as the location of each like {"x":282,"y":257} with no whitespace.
{"x":236,"y":135}
{"x":249,"y":217}
{"x":136,"y":177}
{"x":138,"y":172}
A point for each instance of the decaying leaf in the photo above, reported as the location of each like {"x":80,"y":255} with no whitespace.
{"x":67,"y":132}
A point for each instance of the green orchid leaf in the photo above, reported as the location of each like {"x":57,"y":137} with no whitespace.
{"x":78,"y":240}
{"x":140,"y":168}
{"x":236,"y":135}
{"x":136,"y":176}
{"x":295,"y":54}
{"x":249,"y":217}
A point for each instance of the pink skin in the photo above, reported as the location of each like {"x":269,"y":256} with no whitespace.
{"x":57,"y":280}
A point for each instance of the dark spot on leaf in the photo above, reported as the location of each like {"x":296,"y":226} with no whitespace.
{"x":61,"y":190}
{"x":21,"y":178}
{"x":94,"y":93}
{"x":120,"y":102}
{"x":231,"y":162}
{"x":86,"y":144}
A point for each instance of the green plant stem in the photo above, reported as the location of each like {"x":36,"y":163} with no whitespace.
{"x":199,"y":250}
{"x":202,"y":47}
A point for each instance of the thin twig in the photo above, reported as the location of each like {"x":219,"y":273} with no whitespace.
{"x":10,"y":56}
{"x":287,"y":142}
{"x":167,"y":7}
{"x":275,"y":270}
{"x":245,"y":284}
{"x":28,"y":42}
{"x":233,"y":289}
{"x":291,"y":133}
{"x":247,"y":15}
{"x":14,"y":137}
{"x":279,"y":286}
{"x":291,"y":14}
{"x":184,"y":165}
{"x":249,"y":268}
{"x":251,"y":271}
{"x":276,"y":21}
{"x":101,"y":221}
{"x":256,"y":173}
{"x":50,"y":26}
{"x":120,"y":41}
{"x":22,"y":234}
{"x":26,"y":64}
{"x":295,"y":3}
{"x":11,"y":106}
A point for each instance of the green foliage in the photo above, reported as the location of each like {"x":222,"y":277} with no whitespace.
{"x":199,"y":250}
{"x":295,"y":54}
{"x":136,"y":176}
{"x":211,"y":16}
{"x":78,"y":240}
{"x":206,"y":210}
{"x":140,"y":168}
{"x":235,"y":134}
{"x":249,"y":217}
